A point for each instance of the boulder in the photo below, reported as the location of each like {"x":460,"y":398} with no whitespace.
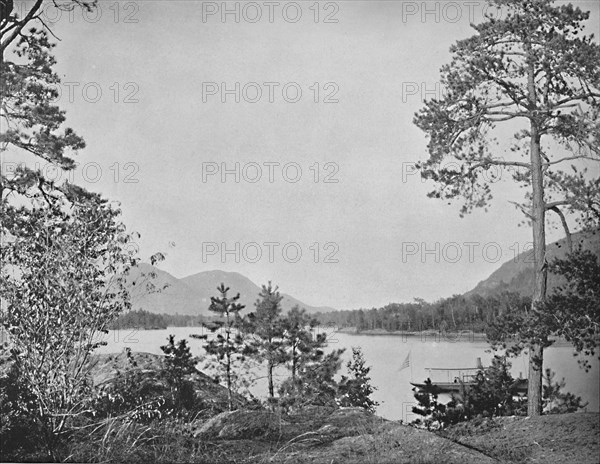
{"x":105,"y":367}
{"x":240,"y":424}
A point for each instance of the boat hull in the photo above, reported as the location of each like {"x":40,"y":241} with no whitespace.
{"x":519,"y":387}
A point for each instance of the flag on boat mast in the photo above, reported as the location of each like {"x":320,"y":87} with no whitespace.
{"x":406,"y":363}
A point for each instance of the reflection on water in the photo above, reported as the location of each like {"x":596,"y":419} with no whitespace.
{"x":386,"y":354}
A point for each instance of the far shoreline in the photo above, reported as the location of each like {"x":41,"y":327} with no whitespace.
{"x":449,"y":336}
{"x":445,"y":335}
{"x":463,"y":335}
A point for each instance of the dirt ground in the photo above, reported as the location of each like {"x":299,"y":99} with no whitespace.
{"x":551,"y":439}
{"x":350,"y":437}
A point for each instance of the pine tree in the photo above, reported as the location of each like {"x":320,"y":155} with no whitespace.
{"x":356,"y":390}
{"x":433,"y":412}
{"x":229,"y":345}
{"x":534,"y":72}
{"x":556,"y":401}
{"x":316,"y":377}
{"x":178,"y":365}
{"x":298,"y":338}
{"x":494,"y":391}
{"x":575,"y":306}
{"x":267,"y":326}
{"x":313,"y":382}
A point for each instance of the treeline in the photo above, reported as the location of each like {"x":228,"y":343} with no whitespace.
{"x":141,"y":319}
{"x":459,"y":312}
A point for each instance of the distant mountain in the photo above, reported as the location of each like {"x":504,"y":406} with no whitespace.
{"x":175,"y":296}
{"x":516,"y":275}
{"x":191,"y":294}
{"x":207,"y":282}
{"x":205,"y":285}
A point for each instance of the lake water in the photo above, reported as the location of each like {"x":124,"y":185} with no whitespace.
{"x":386,"y":354}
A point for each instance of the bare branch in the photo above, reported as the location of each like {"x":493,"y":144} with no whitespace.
{"x":20,"y":25}
{"x":549,"y":163}
{"x":488,"y":162}
{"x":554,"y":204}
{"x":563,"y":220}
{"x":523,"y":210}
{"x":38,"y":17}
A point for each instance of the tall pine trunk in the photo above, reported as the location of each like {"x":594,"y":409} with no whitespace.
{"x":294,"y":364}
{"x":228,"y":366}
{"x":229,"y":396}
{"x":538,"y":217}
{"x":271,"y":387}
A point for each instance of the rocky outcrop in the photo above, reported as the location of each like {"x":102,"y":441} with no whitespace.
{"x":342,"y":436}
{"x":240,"y":424}
{"x":326,"y":425}
{"x":104,"y":369}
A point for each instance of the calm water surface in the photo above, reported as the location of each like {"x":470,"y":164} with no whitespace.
{"x":385,"y":354}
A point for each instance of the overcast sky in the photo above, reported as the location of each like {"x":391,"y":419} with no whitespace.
{"x":160,"y":67}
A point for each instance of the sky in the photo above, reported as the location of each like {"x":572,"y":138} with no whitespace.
{"x":314,"y":102}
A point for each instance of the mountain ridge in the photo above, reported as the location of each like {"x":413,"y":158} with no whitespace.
{"x":516,"y":275}
{"x":190,"y":295}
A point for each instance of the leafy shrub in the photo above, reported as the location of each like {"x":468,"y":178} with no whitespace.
{"x":19,"y":432}
{"x":148,"y":394}
{"x":492,"y":394}
{"x":132,"y":392}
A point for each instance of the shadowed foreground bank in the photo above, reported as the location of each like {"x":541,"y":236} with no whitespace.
{"x":312,"y":434}
{"x":549,"y":439}
{"x":353,"y":436}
